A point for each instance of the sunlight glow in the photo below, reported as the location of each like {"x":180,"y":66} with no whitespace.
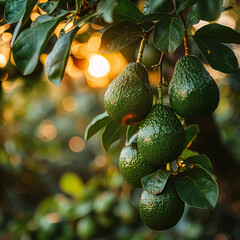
{"x":98,"y":66}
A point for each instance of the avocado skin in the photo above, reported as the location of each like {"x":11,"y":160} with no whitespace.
{"x":129,"y":96}
{"x":162,"y":211}
{"x":192,"y":91}
{"x":133,"y":167}
{"x":161,"y":136}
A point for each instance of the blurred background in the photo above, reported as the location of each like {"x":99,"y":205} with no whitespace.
{"x":54,"y":185}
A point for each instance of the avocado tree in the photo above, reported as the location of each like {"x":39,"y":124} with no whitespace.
{"x":159,"y":154}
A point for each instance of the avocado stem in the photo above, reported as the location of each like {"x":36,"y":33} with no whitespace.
{"x":160,"y":84}
{"x":185,"y":42}
{"x":141,"y":49}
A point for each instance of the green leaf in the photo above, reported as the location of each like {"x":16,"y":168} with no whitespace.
{"x":28,"y":9}
{"x":119,"y":36}
{"x":153,"y":17}
{"x":111,"y":134}
{"x":155,"y":182}
{"x":126,"y":11}
{"x":183,"y":4}
{"x":193,"y":16}
{"x":48,"y":7}
{"x":96,"y":125}
{"x":168,"y":34}
{"x":191,"y":133}
{"x":152,"y":6}
{"x":56,"y":61}
{"x":187,"y":153}
{"x":25,"y":52}
{"x":197,"y":188}
{"x":131,"y":130}
{"x":14,"y":10}
{"x":219,"y":56}
{"x":85,"y":18}
{"x":200,"y":160}
{"x":219,"y":33}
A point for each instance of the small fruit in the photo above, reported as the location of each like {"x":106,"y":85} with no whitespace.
{"x":192,"y":91}
{"x":161,"y":136}
{"x":162,"y":211}
{"x":133,"y":167}
{"x":129,"y":96}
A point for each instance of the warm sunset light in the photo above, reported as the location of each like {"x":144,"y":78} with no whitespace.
{"x":98,"y":66}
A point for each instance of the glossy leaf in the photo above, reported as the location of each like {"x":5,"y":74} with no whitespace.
{"x":131,"y":130}
{"x":119,"y":36}
{"x":197,"y":188}
{"x":154,"y":183}
{"x":191,"y":133}
{"x":96,"y":125}
{"x":48,"y":7}
{"x":111,"y":134}
{"x":85,"y":18}
{"x":126,"y":11}
{"x":25,"y":52}
{"x":152,"y":17}
{"x":193,"y":16}
{"x":201,"y":160}
{"x":14,"y":10}
{"x":28,"y":9}
{"x":152,"y":6}
{"x":168,"y":34}
{"x":219,"y":33}
{"x":56,"y":61}
{"x":183,"y":4}
{"x":219,"y":56}
{"x":209,"y":10}
{"x":187,"y":153}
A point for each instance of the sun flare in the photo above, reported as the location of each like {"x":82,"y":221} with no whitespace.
{"x":98,"y":66}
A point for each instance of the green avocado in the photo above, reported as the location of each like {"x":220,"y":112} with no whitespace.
{"x":192,"y":91}
{"x":162,"y":211}
{"x":133,"y":167}
{"x":129,"y":96}
{"x":161,"y":136}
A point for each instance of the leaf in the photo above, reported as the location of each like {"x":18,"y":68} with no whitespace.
{"x":85,"y":18}
{"x":219,"y":33}
{"x":152,"y":6}
{"x":154,"y":183}
{"x":219,"y":56}
{"x":111,"y":134}
{"x":96,"y":125}
{"x":187,"y":153}
{"x":183,"y":4}
{"x":131,"y":130}
{"x":14,"y":10}
{"x":119,"y":36}
{"x":127,"y":11}
{"x":168,"y":34}
{"x":193,"y":16}
{"x":201,"y":160}
{"x":191,"y":133}
{"x":25,"y":52}
{"x":197,"y":188}
{"x":152,"y":17}
{"x":48,"y":7}
{"x":56,"y":61}
{"x":28,"y":9}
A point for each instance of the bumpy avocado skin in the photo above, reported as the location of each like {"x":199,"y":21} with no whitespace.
{"x":133,"y":167}
{"x":129,"y":96}
{"x":162,"y":211}
{"x":161,"y":136}
{"x":192,"y":91}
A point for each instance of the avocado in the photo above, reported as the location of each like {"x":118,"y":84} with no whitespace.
{"x":129,"y":96}
{"x":192,"y":91}
{"x":161,"y":136}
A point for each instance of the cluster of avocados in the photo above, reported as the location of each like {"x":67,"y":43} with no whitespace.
{"x":160,"y":139}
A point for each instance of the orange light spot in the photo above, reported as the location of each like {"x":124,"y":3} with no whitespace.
{"x":130,"y":119}
{"x":76,"y":144}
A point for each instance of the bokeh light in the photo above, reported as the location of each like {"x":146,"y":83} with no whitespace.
{"x":98,"y":66}
{"x":76,"y":144}
{"x":47,"y":131}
